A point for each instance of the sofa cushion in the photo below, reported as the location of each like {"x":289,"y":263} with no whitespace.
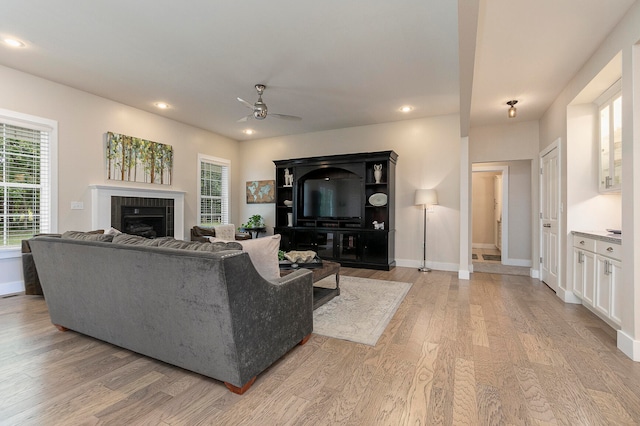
{"x":88,"y":236}
{"x":196,"y":246}
{"x":263,"y":253}
{"x":137,"y":240}
{"x":171,"y":242}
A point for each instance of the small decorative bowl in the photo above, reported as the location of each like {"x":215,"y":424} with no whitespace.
{"x":288,"y":203}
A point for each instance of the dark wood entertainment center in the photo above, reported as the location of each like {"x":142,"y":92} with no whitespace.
{"x":334,"y":202}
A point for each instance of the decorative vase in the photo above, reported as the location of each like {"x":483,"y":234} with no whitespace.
{"x":289,"y":219}
{"x":377,"y":172}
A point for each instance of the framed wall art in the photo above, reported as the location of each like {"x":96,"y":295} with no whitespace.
{"x":138,"y":160}
{"x":261,"y":191}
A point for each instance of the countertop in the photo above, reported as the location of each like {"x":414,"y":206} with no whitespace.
{"x":600,"y":235}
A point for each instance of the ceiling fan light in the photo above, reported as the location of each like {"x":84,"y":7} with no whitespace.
{"x":512,"y":112}
{"x":406,"y":108}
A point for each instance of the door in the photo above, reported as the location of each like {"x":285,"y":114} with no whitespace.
{"x":497,"y":211}
{"x":549,"y":217}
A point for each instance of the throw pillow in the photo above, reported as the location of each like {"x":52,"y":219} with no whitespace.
{"x":225,"y":232}
{"x":112,"y":231}
{"x":87,"y":236}
{"x":263,"y":253}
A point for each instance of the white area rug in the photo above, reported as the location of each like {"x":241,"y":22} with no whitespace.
{"x":362,"y":311}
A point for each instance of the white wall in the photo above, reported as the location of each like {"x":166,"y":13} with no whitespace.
{"x":83,"y":119}
{"x":482,"y":205}
{"x":428,"y":157}
{"x":553,"y":125}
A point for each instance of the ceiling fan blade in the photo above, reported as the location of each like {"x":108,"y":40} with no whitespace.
{"x":243,"y":119}
{"x":286,"y":117}
{"x":247,"y":104}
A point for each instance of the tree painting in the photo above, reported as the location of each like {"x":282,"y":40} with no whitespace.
{"x":138,"y":160}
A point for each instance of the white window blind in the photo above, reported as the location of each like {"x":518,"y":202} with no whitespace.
{"x":25,"y":187}
{"x":213,"y":191}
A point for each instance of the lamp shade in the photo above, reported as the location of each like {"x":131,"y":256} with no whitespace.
{"x":426,"y":197}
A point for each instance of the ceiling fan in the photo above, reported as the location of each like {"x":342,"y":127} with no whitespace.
{"x":260,"y":108}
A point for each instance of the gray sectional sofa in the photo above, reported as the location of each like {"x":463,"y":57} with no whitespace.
{"x":202,"y":308}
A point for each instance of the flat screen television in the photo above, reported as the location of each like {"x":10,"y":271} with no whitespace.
{"x":332,"y":198}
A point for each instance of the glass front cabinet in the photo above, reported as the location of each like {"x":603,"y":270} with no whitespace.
{"x":610,"y":137}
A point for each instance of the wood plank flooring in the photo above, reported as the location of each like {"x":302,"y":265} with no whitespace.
{"x":495,"y":350}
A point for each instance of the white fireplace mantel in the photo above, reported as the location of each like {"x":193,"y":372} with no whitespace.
{"x":101,"y":204}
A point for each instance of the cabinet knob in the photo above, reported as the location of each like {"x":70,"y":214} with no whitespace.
{"x":582,"y":242}
{"x":609,"y":249}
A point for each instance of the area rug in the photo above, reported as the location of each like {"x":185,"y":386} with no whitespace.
{"x":362,"y":311}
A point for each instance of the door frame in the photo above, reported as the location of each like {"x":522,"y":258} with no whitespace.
{"x":553,"y":145}
{"x":504,"y":171}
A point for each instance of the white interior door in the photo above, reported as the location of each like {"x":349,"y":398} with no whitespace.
{"x":497,"y":211}
{"x":549,"y":217}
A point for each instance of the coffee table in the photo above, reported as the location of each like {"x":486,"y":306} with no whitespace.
{"x":322,"y":295}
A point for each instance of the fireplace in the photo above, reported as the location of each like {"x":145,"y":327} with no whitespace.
{"x":144,"y":207}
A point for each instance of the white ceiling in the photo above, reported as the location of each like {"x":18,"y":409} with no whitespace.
{"x":334,"y":63}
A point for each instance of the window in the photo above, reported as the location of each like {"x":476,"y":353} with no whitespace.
{"x":213,"y":191}
{"x":27,"y":177}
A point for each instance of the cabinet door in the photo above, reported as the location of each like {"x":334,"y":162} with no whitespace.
{"x":375,"y":247}
{"x":305,"y":240}
{"x":325,"y":244}
{"x":611,"y":145}
{"x":616,"y":283}
{"x":588,"y":276}
{"x":348,"y":247}
{"x":578,"y":273}
{"x":603,"y":285}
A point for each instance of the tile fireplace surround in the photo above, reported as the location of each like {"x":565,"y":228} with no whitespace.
{"x":101,"y":204}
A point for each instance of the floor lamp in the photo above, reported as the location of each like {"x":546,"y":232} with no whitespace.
{"x":425,"y":198}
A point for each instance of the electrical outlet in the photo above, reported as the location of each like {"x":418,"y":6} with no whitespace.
{"x":77,"y":205}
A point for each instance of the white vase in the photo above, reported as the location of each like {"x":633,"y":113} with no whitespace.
{"x":289,"y":219}
{"x":377,"y":172}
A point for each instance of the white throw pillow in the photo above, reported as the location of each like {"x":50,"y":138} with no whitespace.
{"x":263,"y":253}
{"x":225,"y":232}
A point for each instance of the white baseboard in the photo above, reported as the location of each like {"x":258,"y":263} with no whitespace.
{"x":534,"y":273}
{"x":489,"y":246}
{"x":438,"y":266}
{"x":11,"y":287}
{"x":464,"y":275}
{"x":629,"y":346}
{"x":568,"y":296}
{"x":517,"y":262}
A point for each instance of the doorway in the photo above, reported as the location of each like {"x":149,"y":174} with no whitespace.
{"x":489,"y":189}
{"x":501,"y":217}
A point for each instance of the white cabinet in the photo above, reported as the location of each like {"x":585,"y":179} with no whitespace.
{"x":584,"y":274}
{"x":597,"y":274}
{"x":611,"y":145}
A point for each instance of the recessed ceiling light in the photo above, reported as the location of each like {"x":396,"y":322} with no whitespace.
{"x":162,"y":105}
{"x":13,"y":42}
{"x":248,"y":131}
{"x":406,"y":108}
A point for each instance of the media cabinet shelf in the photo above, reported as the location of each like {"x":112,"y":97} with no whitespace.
{"x":350,"y":238}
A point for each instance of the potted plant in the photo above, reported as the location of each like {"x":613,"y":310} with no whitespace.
{"x":255,"y":221}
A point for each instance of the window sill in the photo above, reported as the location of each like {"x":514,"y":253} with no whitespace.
{"x":10,"y":252}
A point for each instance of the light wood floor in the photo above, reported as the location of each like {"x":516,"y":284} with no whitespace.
{"x":498,"y":349}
